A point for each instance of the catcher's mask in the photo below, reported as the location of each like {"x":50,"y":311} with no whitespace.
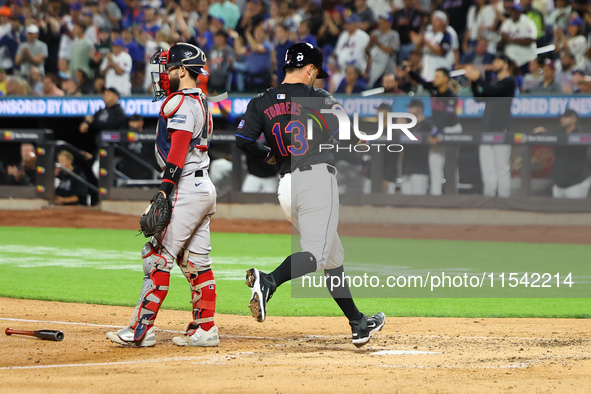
{"x":180,"y":54}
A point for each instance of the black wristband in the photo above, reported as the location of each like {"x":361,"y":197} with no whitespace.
{"x":167,"y":187}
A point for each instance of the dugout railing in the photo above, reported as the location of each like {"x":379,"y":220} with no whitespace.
{"x":521,"y":200}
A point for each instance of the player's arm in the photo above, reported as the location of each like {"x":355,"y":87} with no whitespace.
{"x":179,"y":146}
{"x":249,"y":131}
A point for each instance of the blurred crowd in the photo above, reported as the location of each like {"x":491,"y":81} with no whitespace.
{"x":60,"y":47}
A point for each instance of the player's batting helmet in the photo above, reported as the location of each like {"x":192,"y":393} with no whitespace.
{"x":180,"y":54}
{"x":302,"y":54}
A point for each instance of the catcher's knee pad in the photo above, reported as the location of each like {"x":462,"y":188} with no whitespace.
{"x":156,"y":257}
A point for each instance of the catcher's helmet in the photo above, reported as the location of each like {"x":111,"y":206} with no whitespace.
{"x":180,"y":54}
{"x":302,"y":54}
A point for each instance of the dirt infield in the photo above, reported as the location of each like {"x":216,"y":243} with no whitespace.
{"x":312,"y":354}
{"x":292,"y":355}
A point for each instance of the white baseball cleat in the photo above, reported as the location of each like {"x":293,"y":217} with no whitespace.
{"x":125,"y":337}
{"x":200,"y":337}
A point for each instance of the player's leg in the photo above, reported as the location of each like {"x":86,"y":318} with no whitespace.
{"x":195,"y":263}
{"x":488,"y":170}
{"x":503,"y":169}
{"x":362,"y":326}
{"x":157,"y":264}
{"x":436,"y":165}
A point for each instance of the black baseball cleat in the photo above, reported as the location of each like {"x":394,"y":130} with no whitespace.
{"x":262,"y":286}
{"x":364,"y":327}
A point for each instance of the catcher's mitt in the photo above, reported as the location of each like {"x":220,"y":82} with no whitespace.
{"x":157,"y":216}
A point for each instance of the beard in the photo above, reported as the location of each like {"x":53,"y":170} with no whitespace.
{"x":174,"y":82}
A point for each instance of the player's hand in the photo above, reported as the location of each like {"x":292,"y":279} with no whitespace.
{"x":472,"y":73}
{"x":12,"y":170}
{"x":84,"y":127}
{"x":539,"y":129}
{"x":270,"y":159}
{"x":433,"y":140}
{"x":59,"y":200}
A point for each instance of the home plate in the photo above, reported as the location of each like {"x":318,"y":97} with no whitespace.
{"x":401,"y":352}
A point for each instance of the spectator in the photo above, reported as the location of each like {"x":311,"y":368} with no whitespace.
{"x":32,"y":52}
{"x":415,"y":159}
{"x":10,"y":38}
{"x":5,"y":15}
{"x":85,"y":83}
{"x":25,"y":173}
{"x":116,"y":67}
{"x":331,"y":28}
{"x":549,"y":85}
{"x":221,"y":59}
{"x":443,"y":107}
{"x":383,"y":46}
{"x":111,"y":117}
{"x":71,"y":87}
{"x":569,"y":168}
{"x":303,"y":33}
{"x":518,"y":35}
{"x":436,"y":43}
{"x":283,"y":43}
{"x":36,"y":81}
{"x":71,"y":189}
{"x":82,"y":50}
{"x":535,"y":76}
{"x":67,"y":26}
{"x":90,"y":29}
{"x":575,"y":43}
{"x":537,"y":17}
{"x":153,"y":22}
{"x":390,"y":84}
{"x":494,"y":159}
{"x":408,"y":19}
{"x":258,"y":65}
{"x":350,"y":47}
{"x":99,"y":85}
{"x":135,"y":50}
{"x":291,"y":19}
{"x":50,"y":86}
{"x":134,"y":15}
{"x":481,"y":16}
{"x":564,"y":77}
{"x":100,"y":50}
{"x":109,"y":15}
{"x":479,"y":56}
{"x":457,"y":12}
{"x":226,"y":10}
{"x":352,"y":82}
{"x":366,"y":18}
{"x":558,"y":17}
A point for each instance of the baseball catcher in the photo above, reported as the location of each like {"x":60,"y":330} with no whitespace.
{"x":178,"y":217}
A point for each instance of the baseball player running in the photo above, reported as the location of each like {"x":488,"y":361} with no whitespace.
{"x":308,"y":191}
{"x":183,"y":133}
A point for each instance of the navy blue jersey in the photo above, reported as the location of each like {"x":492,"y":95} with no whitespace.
{"x":282,"y":116}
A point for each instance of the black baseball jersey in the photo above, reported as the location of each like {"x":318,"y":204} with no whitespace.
{"x":282,"y":116}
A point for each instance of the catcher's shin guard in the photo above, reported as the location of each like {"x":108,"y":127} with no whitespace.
{"x":157,"y":266}
{"x":203,"y":294}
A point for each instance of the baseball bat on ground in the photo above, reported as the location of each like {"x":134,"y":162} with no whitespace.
{"x":48,"y":335}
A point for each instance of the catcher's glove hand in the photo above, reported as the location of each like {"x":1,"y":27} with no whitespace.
{"x":157,"y":215}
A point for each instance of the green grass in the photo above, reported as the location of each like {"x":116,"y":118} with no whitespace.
{"x":104,"y":267}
